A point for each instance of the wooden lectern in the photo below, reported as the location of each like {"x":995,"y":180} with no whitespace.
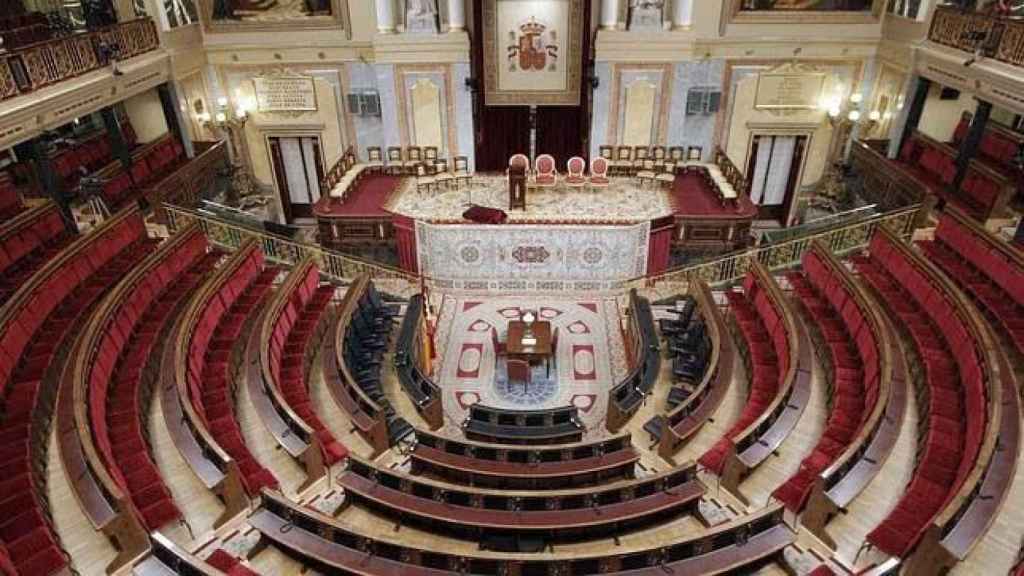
{"x":518,"y":166}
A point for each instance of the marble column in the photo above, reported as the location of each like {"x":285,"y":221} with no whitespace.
{"x":609,"y":14}
{"x":682,"y":13}
{"x":386,"y":16}
{"x":456,"y":15}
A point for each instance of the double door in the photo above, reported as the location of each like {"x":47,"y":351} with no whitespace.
{"x":775,"y":167}
{"x":298,"y":170}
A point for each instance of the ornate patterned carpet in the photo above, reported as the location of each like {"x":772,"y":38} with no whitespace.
{"x":621,"y":202}
{"x":588,"y":361}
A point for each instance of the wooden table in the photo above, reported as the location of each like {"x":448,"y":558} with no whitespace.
{"x":541,"y":333}
{"x":543,"y":349}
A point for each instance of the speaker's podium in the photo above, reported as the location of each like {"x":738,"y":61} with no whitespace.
{"x":518,"y":167}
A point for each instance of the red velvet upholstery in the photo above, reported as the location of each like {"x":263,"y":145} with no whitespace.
{"x":546,"y":174}
{"x":971,"y":258}
{"x":599,"y":171}
{"x":10,"y":200}
{"x":768,"y":345}
{"x":955,"y":417}
{"x":855,"y":371}
{"x":32,"y":335}
{"x":292,"y":332}
{"x":225,"y":562}
{"x":208,"y":373}
{"x":575,"y":168}
{"x":27,"y":247}
{"x":114,"y":382}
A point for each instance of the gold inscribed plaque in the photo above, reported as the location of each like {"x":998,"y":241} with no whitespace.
{"x":793,"y":91}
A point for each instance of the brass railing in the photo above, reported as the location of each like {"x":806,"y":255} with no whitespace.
{"x":230,"y":236}
{"x":880,"y":180}
{"x":841,"y":240}
{"x":995,"y":37}
{"x":26,"y":69}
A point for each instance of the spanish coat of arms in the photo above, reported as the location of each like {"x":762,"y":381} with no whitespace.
{"x":532,"y":48}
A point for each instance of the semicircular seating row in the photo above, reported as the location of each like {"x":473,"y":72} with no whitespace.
{"x":103,"y":321}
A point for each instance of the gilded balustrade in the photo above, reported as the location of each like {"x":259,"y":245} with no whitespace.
{"x":335,"y":265}
{"x":841,"y":240}
{"x":996,"y":37}
{"x":44,"y":63}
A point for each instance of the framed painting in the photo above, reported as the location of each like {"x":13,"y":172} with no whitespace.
{"x":532,"y":52}
{"x":249,"y":15}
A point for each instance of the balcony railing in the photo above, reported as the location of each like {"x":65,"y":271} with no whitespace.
{"x":995,"y":37}
{"x":185,"y":186}
{"x":32,"y":67}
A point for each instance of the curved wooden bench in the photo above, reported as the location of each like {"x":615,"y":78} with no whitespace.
{"x":752,"y":439}
{"x":322,"y":541}
{"x":303,"y":436}
{"x":642,"y":346}
{"x":101,"y":485}
{"x":414,"y":370}
{"x":692,"y":413}
{"x":35,"y":324}
{"x":211,"y":463}
{"x":519,"y":468}
{"x":981,"y":475}
{"x":858,"y":438}
{"x":506,"y":426}
{"x":555,"y":516}
{"x":367,"y":416}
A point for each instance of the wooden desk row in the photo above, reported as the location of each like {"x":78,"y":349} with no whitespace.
{"x":561,"y":516}
{"x":423,"y":392}
{"x":547,"y":426}
{"x":292,"y":432}
{"x":329,"y":546}
{"x":626,"y":397}
{"x":690,"y":415}
{"x":367,"y":416}
{"x":523,"y":468}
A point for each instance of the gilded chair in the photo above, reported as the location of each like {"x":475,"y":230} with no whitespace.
{"x":396,"y":162}
{"x":694,"y":154}
{"x":641,"y":154}
{"x":545,"y":172}
{"x":462,"y":173}
{"x":646,"y":173}
{"x":575,"y":168}
{"x":442,"y":177}
{"x":424,"y":181}
{"x":599,"y":172}
{"x":414,"y":157}
{"x":623,"y":161}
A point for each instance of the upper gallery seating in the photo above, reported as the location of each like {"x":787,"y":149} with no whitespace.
{"x":28,"y":242}
{"x":998,"y":148}
{"x":523,"y":520}
{"x":984,"y":192}
{"x":83,"y":156}
{"x":778,"y":361}
{"x":362,"y":334}
{"x":10,"y":199}
{"x":734,"y":547}
{"x":34,"y":326}
{"x":867,"y":391}
{"x":506,"y":426}
{"x":280,"y":360}
{"x":198,"y":393}
{"x":986,"y":268}
{"x":702,"y":363}
{"x":412,"y":364}
{"x":151,"y":163}
{"x":21,"y":30}
{"x":965,"y":413}
{"x":101,"y":409}
{"x":626,"y":397}
{"x":524,"y":468}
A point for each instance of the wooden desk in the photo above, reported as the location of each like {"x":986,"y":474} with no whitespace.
{"x":541,"y":332}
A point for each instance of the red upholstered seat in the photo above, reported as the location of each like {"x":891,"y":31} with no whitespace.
{"x":574,"y":171}
{"x":545,"y":173}
{"x":599,"y":171}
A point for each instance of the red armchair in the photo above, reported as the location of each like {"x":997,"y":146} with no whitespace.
{"x":545,"y":169}
{"x":575,"y":168}
{"x":599,"y":172}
